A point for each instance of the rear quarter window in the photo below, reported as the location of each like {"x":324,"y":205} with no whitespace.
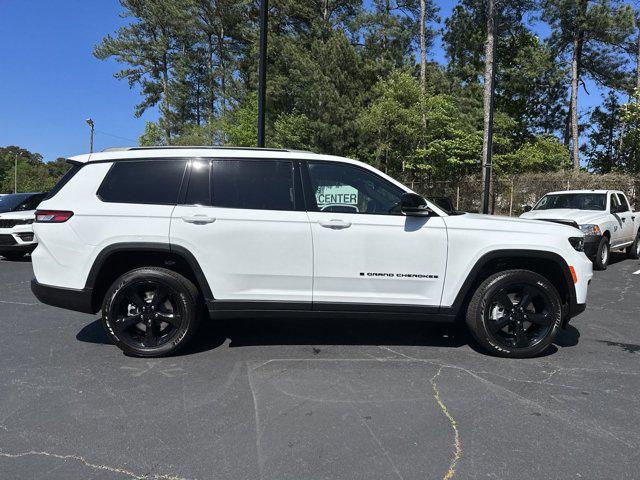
{"x":75,"y":168}
{"x":155,"y":182}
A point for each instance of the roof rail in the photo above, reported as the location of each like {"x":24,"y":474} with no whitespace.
{"x":182,"y":147}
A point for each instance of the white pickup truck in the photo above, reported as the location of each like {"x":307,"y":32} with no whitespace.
{"x":604,"y":216}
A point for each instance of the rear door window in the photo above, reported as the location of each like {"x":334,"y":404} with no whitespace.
{"x":623,"y":202}
{"x":155,"y":182}
{"x":253,"y":184}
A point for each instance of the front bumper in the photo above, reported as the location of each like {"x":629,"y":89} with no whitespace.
{"x":68,"y":298}
{"x":11,"y":242}
{"x":591,"y":244}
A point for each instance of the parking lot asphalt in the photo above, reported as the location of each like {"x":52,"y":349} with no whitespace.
{"x":300,"y":399}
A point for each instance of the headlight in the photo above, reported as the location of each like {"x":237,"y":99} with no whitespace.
{"x":577,"y":243}
{"x":590,"y":229}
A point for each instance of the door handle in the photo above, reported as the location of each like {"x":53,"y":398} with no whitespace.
{"x":198,"y":219}
{"x":334,"y":224}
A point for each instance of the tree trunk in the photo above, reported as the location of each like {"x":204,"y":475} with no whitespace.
{"x":638,"y":67}
{"x":489,"y":78}
{"x":165,"y":98}
{"x":575,"y":78}
{"x":423,"y":47}
{"x":423,"y":59}
{"x":212,"y":79}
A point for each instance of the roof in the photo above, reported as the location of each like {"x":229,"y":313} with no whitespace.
{"x":121,"y":153}
{"x":582,"y":191}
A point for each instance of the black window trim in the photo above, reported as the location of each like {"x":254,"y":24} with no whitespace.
{"x":114,"y":162}
{"x":298,"y":201}
{"x":184,"y":187}
{"x":310,"y":199}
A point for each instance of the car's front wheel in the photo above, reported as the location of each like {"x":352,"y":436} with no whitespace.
{"x":601,"y":262}
{"x":515,"y":313}
{"x":150,"y":312}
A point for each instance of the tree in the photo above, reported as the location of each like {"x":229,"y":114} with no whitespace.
{"x":605,"y":135}
{"x":148,"y":46}
{"x":589,"y":33}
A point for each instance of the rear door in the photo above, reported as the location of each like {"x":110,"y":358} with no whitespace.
{"x":626,"y":217}
{"x":365,"y":250}
{"x":244,"y":221}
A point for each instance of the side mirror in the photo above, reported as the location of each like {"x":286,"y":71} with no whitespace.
{"x":413,"y":205}
{"x":528,"y":208}
{"x":616,"y":208}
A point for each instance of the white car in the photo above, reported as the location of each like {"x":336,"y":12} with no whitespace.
{"x":17,"y":214}
{"x":604,"y":216}
{"x":149,"y":236}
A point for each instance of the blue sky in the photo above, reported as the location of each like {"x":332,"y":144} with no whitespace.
{"x":50,"y":82}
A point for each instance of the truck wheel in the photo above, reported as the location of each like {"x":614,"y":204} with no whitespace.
{"x":150,"y":312}
{"x":515,"y":314}
{"x":601,"y":262}
{"x":633,"y":251}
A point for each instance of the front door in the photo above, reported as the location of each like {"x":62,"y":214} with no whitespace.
{"x":242,"y":221}
{"x":365,"y":250}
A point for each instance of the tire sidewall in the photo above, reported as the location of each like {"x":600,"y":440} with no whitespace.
{"x":182,"y":295}
{"x":478,"y":323}
{"x":598,"y":264}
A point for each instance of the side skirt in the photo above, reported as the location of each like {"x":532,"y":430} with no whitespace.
{"x":219,"y":309}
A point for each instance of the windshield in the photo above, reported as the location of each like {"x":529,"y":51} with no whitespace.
{"x":579,"y":201}
{"x":17,"y":202}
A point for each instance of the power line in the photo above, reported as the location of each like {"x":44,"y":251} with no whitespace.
{"x":115,"y":136}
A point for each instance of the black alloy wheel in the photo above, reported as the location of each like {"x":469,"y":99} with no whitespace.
{"x":515,"y":313}
{"x":146,"y":314}
{"x":150,"y":312}
{"x":519,"y":316}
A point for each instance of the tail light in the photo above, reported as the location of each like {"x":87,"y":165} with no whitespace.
{"x":53,"y":216}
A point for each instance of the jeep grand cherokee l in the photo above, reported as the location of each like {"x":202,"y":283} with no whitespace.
{"x":148,"y":236}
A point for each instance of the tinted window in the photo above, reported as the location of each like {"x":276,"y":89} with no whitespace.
{"x":20,"y":202}
{"x":343,"y":188}
{"x":75,"y":168}
{"x":146,"y":181}
{"x":580,"y":201}
{"x":198,"y":188}
{"x":615,"y":203}
{"x":253,"y":184}
{"x":623,"y":202}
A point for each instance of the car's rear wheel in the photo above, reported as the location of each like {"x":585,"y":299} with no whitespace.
{"x":515,"y":313}
{"x":633,"y":251}
{"x":601,"y":261}
{"x":150,"y":312}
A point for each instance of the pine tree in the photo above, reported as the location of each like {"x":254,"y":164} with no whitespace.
{"x":589,"y":35}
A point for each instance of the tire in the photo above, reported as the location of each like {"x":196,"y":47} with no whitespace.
{"x":142,"y":325}
{"x":633,"y":251}
{"x":501,"y":314}
{"x":601,"y":262}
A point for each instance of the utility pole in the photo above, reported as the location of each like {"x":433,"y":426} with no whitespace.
{"x":489,"y":91}
{"x":262,"y":71}
{"x":15,"y":173}
{"x":90,"y":123}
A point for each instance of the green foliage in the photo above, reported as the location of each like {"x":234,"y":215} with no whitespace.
{"x":33,"y":174}
{"x":343,"y":78}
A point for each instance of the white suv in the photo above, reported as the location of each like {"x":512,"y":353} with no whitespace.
{"x":151,"y":235}
{"x":17,"y":213}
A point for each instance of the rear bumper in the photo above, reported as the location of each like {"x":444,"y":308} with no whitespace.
{"x":68,"y":298}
